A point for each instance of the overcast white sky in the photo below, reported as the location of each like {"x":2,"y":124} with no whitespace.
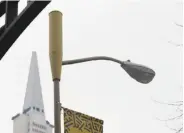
{"x":138,"y":30}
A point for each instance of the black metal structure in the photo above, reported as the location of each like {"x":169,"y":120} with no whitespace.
{"x":16,"y":23}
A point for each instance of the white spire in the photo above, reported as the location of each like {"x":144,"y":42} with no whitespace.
{"x":33,"y":98}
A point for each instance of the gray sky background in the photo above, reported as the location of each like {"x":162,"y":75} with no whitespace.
{"x":138,"y":30}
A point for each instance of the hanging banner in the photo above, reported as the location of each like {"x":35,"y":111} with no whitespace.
{"x":75,"y":122}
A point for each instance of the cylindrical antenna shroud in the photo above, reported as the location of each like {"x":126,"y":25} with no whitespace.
{"x":55,"y":43}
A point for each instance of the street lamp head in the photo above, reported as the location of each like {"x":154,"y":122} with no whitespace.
{"x":138,"y":72}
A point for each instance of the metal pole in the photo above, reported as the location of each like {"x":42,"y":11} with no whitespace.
{"x":55,"y":52}
{"x":57,"y":107}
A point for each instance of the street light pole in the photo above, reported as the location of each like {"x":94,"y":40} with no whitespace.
{"x":55,"y":53}
{"x":138,"y":72}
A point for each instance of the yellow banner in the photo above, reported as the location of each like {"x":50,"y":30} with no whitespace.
{"x":75,"y":122}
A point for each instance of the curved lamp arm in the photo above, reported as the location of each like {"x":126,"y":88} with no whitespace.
{"x":95,"y":58}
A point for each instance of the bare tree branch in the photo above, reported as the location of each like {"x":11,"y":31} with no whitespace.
{"x":180,"y":25}
{"x":179,"y":108}
{"x":171,"y":119}
{"x":173,"y":129}
{"x":170,"y":127}
{"x":176,"y":44}
{"x":177,"y":103}
{"x":181,"y":129}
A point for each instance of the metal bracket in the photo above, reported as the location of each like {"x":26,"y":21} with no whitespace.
{"x":61,"y":107}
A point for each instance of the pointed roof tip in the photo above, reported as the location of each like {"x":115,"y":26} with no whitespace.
{"x":34,"y":60}
{"x":33,"y":97}
{"x":34,"y":53}
{"x":34,"y":57}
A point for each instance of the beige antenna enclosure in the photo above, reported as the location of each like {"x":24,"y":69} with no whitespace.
{"x":55,"y":43}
